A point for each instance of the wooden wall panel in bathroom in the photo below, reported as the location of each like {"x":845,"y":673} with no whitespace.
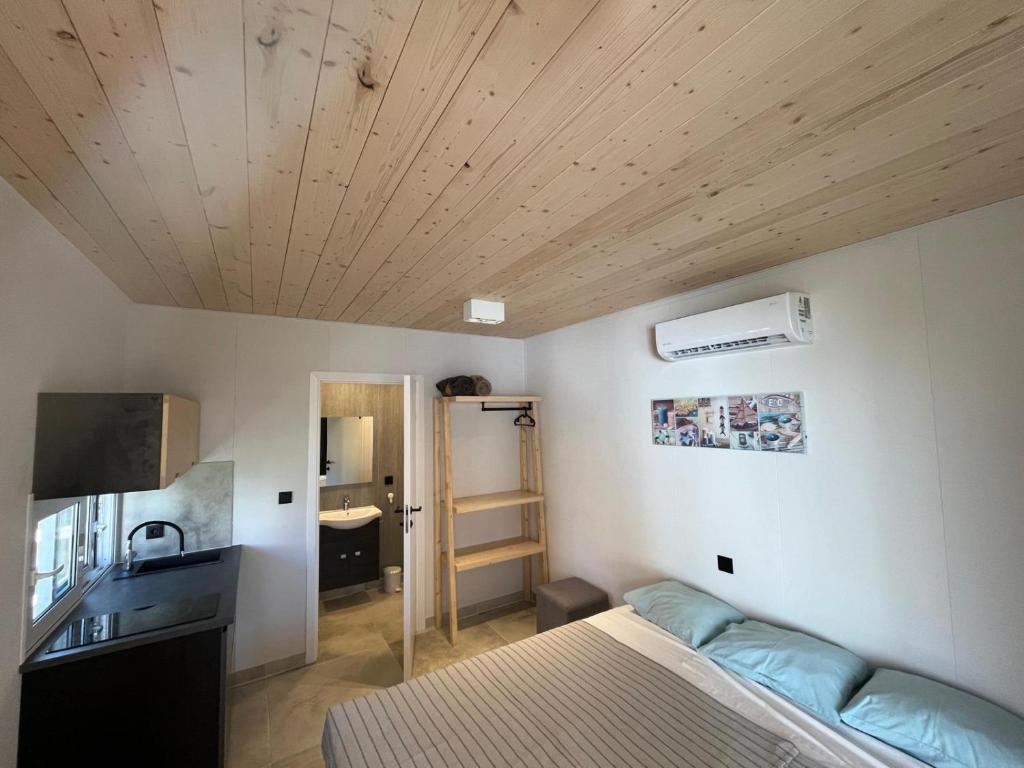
{"x":384,"y":403}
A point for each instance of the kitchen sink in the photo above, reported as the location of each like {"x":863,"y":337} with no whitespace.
{"x":172,"y":562}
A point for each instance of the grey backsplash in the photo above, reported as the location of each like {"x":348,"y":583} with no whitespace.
{"x":200,"y":501}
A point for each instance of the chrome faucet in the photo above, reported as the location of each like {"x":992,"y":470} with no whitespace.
{"x":345,"y":503}
{"x":129,"y":554}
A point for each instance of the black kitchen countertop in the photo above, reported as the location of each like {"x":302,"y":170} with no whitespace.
{"x":112,"y":595}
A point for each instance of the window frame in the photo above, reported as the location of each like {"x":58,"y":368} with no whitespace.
{"x":90,"y":571}
{"x":86,"y":575}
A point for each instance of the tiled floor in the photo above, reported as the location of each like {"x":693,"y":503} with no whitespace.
{"x":278,"y":722}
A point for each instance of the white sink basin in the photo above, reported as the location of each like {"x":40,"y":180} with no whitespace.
{"x":353,"y":517}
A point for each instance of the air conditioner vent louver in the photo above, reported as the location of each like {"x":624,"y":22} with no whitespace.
{"x":725,"y":346}
{"x":776,"y":321}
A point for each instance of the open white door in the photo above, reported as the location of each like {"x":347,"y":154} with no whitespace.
{"x":411,"y":505}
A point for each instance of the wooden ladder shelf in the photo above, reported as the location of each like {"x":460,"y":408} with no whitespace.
{"x":447,"y":506}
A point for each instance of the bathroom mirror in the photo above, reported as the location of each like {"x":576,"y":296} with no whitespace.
{"x":346,"y":449}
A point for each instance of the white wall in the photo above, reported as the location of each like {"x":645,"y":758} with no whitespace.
{"x":900,"y":534}
{"x":61,"y":329}
{"x":251,"y":375}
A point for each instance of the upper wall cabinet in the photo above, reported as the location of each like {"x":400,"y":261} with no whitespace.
{"x":112,"y":443}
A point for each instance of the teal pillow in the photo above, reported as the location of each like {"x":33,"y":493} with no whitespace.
{"x":816,"y":675}
{"x":692,"y":616}
{"x":937,"y":724}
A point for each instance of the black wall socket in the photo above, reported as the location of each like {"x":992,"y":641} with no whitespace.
{"x":389,"y":479}
{"x":154,"y":531}
{"x":284,"y":497}
{"x":725,"y":563}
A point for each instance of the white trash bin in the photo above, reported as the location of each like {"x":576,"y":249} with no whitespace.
{"x":392,"y":578}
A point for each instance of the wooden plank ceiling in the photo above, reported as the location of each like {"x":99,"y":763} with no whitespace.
{"x":380,"y":161}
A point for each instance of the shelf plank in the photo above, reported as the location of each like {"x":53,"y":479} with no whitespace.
{"x":484,"y":501}
{"x":494,"y":399}
{"x":480,"y":555}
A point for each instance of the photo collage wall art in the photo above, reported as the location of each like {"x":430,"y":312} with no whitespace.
{"x":765,"y":422}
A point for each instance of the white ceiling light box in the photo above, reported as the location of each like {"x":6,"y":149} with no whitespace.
{"x":482,"y":311}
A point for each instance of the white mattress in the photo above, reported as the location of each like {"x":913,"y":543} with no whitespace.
{"x":832,"y":746}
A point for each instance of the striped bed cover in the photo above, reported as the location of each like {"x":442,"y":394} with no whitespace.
{"x":573,"y":696}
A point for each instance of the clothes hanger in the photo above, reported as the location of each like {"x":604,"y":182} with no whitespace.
{"x":524,"y":420}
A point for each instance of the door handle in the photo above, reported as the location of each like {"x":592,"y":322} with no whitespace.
{"x":410,"y":510}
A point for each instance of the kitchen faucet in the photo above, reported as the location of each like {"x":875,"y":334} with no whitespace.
{"x":129,"y":555}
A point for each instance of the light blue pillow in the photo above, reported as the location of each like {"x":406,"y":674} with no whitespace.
{"x":937,"y":724}
{"x":692,"y":616}
{"x":816,"y":675}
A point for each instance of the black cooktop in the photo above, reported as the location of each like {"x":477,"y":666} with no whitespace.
{"x":132,"y":621}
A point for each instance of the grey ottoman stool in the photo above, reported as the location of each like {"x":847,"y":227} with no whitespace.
{"x":560,"y":602}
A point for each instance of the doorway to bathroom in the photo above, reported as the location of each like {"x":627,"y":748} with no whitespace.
{"x":366,"y":480}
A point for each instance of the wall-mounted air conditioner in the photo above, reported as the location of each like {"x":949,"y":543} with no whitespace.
{"x":772,"y":322}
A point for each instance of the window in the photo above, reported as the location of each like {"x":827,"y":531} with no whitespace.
{"x":72,"y":545}
{"x":53,"y":571}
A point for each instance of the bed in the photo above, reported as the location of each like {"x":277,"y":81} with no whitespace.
{"x":612,"y":690}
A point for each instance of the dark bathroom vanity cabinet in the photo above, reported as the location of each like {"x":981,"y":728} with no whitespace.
{"x":136,"y":675}
{"x":349,"y":557}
